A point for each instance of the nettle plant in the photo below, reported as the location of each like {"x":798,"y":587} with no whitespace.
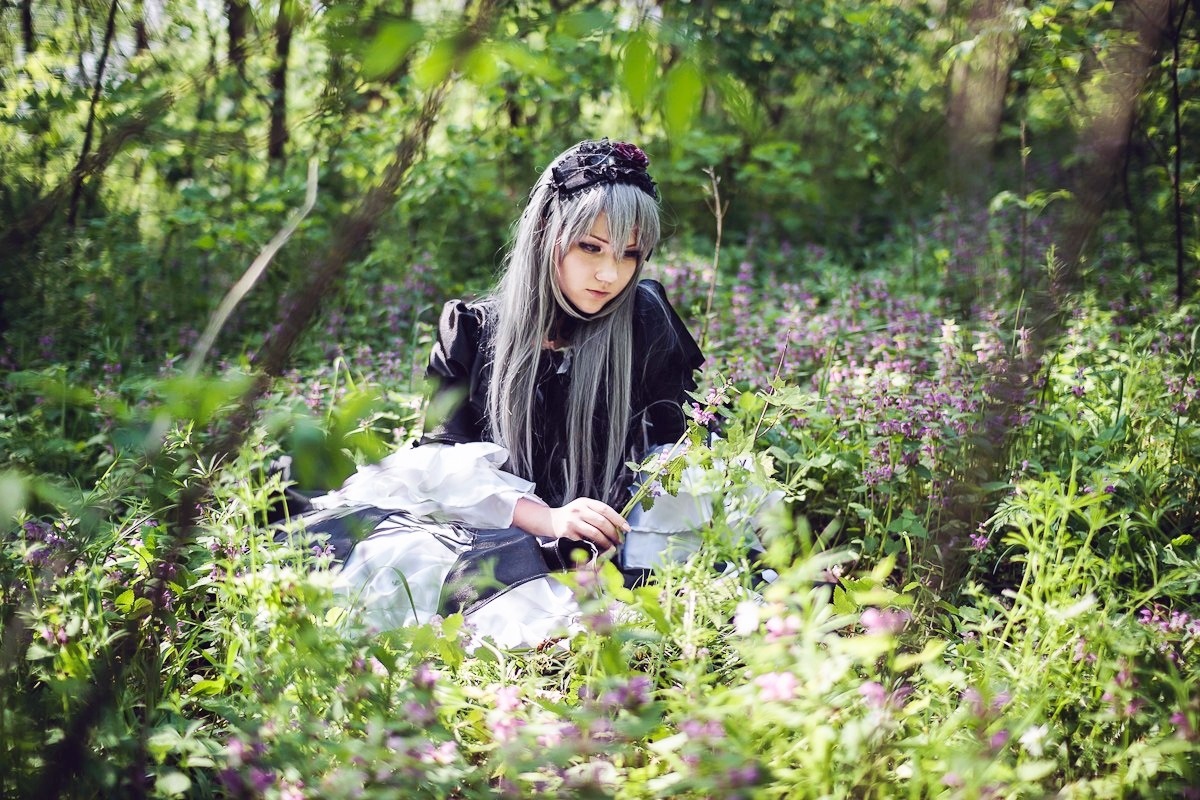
{"x":1062,"y":658}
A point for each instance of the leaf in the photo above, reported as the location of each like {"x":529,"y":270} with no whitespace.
{"x":163,"y":742}
{"x":389,"y":48}
{"x":482,"y":65}
{"x":436,"y":64}
{"x":842,"y":603}
{"x":527,"y":61}
{"x":684,"y":88}
{"x":173,"y":783}
{"x":908,"y":523}
{"x":584,"y":23}
{"x":1035,"y":770}
{"x":932,"y":650}
{"x":209,"y":686}
{"x":197,"y":398}
{"x":637,"y":69}
{"x":13,"y":493}
{"x":124,"y":601}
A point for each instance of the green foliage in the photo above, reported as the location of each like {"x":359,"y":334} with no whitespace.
{"x":1063,"y":659}
{"x":986,"y":558}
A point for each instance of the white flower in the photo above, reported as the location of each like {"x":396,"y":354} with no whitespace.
{"x":745,"y":618}
{"x":1033,"y":739}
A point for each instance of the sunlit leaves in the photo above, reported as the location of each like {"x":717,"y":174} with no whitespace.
{"x":435,"y":65}
{"x":741,"y":105}
{"x":682,"y":93}
{"x":638,"y":68}
{"x":390,"y":47}
{"x":14,"y":493}
{"x":579,"y":24}
{"x":197,"y":398}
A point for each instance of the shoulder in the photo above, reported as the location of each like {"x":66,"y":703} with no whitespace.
{"x":462,"y":316}
{"x":650,"y":294}
{"x":652,"y":311}
{"x":462,"y":330}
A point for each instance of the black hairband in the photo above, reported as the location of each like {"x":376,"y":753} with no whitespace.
{"x":592,"y":163}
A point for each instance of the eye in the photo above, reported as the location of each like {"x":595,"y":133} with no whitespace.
{"x":633,"y":255}
{"x":589,"y":247}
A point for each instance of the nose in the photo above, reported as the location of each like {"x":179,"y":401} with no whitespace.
{"x":607,"y":271}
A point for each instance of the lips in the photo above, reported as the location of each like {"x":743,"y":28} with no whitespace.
{"x":597,"y":294}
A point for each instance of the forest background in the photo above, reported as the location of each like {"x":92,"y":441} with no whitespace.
{"x":227,"y":228}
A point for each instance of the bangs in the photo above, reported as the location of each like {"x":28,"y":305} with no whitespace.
{"x":630,"y":212}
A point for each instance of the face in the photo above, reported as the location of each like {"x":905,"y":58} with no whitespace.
{"x":596,"y":269}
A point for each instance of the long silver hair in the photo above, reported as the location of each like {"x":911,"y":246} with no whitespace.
{"x":529,"y":307}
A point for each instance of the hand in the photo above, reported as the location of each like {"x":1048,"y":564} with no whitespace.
{"x":584,"y":520}
{"x":588,"y":520}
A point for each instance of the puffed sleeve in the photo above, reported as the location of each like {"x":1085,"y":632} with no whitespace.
{"x":462,"y":483}
{"x":455,"y":474}
{"x":455,"y":413}
{"x":669,"y":358}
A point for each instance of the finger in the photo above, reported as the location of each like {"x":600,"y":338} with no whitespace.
{"x":611,"y":538}
{"x":604,"y":542}
{"x":605,"y":525}
{"x":595,"y":533}
{"x":618,"y":522}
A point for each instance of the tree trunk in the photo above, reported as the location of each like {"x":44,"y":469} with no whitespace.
{"x":236,"y":15}
{"x":1104,"y":140}
{"x":140,"y":36}
{"x":978,"y":87}
{"x":27,"y":27}
{"x":278,"y":136}
{"x":77,"y":189}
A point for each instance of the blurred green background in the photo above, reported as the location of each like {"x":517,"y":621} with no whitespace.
{"x":151,"y":149}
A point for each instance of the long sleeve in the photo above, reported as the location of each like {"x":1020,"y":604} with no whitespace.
{"x":666,"y":371}
{"x":456,"y":412}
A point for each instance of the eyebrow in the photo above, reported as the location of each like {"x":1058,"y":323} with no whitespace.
{"x":631,"y":248}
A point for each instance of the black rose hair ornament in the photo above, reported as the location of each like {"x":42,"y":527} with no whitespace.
{"x":593,"y":163}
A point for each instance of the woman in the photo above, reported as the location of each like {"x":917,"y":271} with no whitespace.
{"x":545,"y":389}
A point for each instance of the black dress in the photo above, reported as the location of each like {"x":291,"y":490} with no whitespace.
{"x":471,"y":566}
{"x":665,"y":359}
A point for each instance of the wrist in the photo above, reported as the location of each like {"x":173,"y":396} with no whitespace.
{"x":533,"y":517}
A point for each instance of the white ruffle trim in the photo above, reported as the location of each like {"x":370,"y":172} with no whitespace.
{"x":394,"y":577}
{"x":669,"y":529}
{"x":462,"y":483}
{"x":527,"y":615}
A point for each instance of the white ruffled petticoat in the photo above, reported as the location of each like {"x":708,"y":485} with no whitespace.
{"x":395,"y":576}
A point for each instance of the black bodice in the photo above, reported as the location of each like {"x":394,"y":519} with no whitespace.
{"x":664,"y":359}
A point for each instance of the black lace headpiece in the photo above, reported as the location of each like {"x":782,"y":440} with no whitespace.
{"x":592,"y":163}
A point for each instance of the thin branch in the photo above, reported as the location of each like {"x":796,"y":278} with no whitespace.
{"x":1177,"y":174}
{"x":251,"y":276}
{"x":30,"y":226}
{"x":718,"y":212}
{"x":77,"y":190}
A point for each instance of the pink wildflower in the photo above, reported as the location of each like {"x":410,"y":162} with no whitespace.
{"x":781,"y":627}
{"x":884,"y":621}
{"x":777,"y":686}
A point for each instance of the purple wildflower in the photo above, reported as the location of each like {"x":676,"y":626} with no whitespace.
{"x":884,"y":621}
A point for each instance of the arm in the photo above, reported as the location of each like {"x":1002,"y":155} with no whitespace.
{"x":583,"y":519}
